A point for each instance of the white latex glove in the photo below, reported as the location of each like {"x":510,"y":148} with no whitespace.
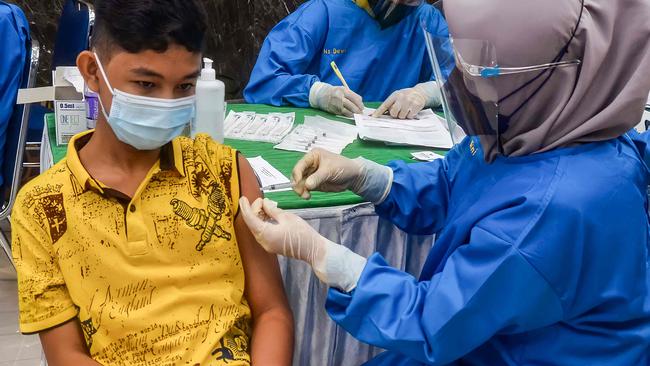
{"x":284,"y":233}
{"x":337,"y":100}
{"x":406,"y":103}
{"x":321,"y":170}
{"x":326,"y":172}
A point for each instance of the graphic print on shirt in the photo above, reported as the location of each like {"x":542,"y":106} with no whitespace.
{"x":199,"y":179}
{"x":55,"y":212}
{"x":206,"y":220}
{"x":234,"y":345}
{"x":226,"y":175}
{"x":89,"y":330}
{"x":48,"y":207}
{"x":201,"y":176}
{"x":71,"y":248}
{"x":155,"y":344}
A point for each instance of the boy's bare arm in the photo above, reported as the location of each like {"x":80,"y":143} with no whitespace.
{"x":272,"y":339}
{"x":65,"y":345}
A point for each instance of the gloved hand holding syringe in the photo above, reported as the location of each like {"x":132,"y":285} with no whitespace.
{"x":284,"y":233}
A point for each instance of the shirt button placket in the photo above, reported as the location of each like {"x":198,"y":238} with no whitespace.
{"x":137,"y":232}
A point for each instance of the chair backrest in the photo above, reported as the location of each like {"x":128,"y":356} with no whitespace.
{"x":73,"y":34}
{"x":21,"y":52}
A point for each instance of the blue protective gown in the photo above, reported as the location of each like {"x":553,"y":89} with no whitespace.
{"x":539,"y":260}
{"x":14,"y":36}
{"x":298,"y":52}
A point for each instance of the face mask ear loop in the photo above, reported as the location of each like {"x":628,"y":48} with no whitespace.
{"x":101,"y":104}
{"x":101,"y":70}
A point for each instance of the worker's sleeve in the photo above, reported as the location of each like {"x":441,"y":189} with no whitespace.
{"x":641,"y":141}
{"x":14,"y":33}
{"x":280,"y":75}
{"x":43,"y":297}
{"x":419,"y":196}
{"x":486,"y":287}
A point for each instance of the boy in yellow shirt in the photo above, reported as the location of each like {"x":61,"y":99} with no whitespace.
{"x":131,"y":251}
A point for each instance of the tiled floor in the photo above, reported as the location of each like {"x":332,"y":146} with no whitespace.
{"x":15,"y":348}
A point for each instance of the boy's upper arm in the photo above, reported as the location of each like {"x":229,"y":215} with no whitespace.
{"x":65,"y":345}
{"x":263,"y":288}
{"x":43,"y":297}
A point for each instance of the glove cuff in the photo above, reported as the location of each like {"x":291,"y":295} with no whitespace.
{"x":341,"y":268}
{"x":374,"y":181}
{"x":314,"y":93}
{"x":431,"y":93}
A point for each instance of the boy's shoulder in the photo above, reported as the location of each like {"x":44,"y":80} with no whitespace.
{"x":202,"y":149}
{"x":55,"y":181}
{"x":202,"y":144}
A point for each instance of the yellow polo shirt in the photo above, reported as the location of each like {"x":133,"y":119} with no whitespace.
{"x":156,"y":279}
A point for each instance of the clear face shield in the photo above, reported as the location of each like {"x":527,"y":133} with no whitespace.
{"x":476,"y":90}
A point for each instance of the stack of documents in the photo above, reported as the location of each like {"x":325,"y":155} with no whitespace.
{"x":319,"y":132}
{"x":427,"y":129}
{"x":251,"y":126}
{"x":270,"y":178}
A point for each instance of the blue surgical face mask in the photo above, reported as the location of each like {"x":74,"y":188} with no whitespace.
{"x":143,"y":122}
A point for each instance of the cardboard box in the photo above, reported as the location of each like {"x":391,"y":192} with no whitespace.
{"x":70,"y":119}
{"x":69,"y":104}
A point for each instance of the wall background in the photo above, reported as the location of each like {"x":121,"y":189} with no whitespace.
{"x":236,"y":31}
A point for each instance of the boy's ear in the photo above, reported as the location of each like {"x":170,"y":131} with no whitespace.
{"x":87,"y":65}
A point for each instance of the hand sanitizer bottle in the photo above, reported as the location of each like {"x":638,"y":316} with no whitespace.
{"x":210,"y":104}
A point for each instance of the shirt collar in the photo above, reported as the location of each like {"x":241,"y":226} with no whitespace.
{"x":171,"y":158}
{"x":77,"y":169}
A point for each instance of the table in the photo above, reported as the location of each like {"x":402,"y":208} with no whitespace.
{"x":284,"y":161}
{"x":343,"y":218}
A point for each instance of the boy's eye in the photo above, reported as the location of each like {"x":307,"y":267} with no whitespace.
{"x":146,"y":84}
{"x":186,"y":87}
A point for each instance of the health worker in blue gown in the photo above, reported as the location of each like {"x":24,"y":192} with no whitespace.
{"x":378,"y":47}
{"x":540,"y":214}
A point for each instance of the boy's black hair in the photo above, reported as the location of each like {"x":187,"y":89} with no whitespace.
{"x":139,"y":25}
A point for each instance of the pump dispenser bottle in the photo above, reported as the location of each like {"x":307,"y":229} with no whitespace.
{"x":210,"y":104}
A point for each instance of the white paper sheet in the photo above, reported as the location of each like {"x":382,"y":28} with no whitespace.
{"x":426,"y":156}
{"x":345,"y":131}
{"x":427,"y":129}
{"x":366,"y":112}
{"x":270,"y":178}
